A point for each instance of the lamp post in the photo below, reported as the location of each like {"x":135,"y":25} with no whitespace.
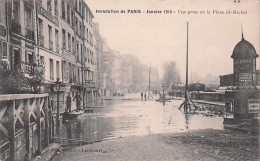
{"x":84,"y":68}
{"x":57,"y":86}
{"x":163,"y":86}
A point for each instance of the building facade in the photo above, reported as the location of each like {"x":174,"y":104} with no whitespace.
{"x":56,"y":33}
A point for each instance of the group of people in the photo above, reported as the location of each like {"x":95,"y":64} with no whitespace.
{"x":78,"y":99}
{"x":143,"y":96}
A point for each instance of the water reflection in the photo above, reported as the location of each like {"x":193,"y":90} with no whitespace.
{"x":120,"y":118}
{"x":187,"y":117}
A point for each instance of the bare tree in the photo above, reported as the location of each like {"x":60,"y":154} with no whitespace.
{"x":170,"y":75}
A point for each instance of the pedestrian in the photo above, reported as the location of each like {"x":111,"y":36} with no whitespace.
{"x":145,"y":96}
{"x":78,"y":100}
{"x":68,"y":103}
{"x":142,"y":96}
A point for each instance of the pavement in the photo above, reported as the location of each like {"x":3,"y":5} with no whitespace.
{"x":206,"y":144}
{"x":48,"y":153}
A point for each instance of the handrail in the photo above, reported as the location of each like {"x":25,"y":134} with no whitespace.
{"x":10,"y":97}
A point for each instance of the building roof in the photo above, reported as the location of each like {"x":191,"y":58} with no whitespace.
{"x":244,"y":49}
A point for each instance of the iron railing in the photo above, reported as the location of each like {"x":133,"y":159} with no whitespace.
{"x":29,"y":33}
{"x":57,"y":48}
{"x":16,"y":27}
{"x":41,"y":40}
{"x":50,"y":45}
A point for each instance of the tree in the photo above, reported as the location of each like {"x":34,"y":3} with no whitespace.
{"x":16,"y":82}
{"x":170,"y":75}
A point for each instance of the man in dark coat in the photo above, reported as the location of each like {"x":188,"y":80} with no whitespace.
{"x":78,"y":100}
{"x":68,"y":102}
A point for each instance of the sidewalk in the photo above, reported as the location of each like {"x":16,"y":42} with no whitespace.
{"x":195,"y":145}
{"x":48,"y":153}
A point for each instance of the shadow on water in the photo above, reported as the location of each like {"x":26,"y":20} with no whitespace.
{"x":121,"y":118}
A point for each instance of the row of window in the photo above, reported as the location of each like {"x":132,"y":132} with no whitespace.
{"x":78,"y":25}
{"x":70,"y":72}
{"x":67,"y":12}
{"x":69,"y":44}
{"x":68,"y":41}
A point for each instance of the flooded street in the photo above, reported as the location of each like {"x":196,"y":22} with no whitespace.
{"x":128,"y":116}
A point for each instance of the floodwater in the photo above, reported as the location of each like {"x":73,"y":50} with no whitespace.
{"x":128,"y":116}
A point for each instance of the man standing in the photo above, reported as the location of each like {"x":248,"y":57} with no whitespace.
{"x":68,"y":102}
{"x":142,"y":95}
{"x":78,"y":100}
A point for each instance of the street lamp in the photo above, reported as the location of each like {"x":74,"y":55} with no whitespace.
{"x":163,"y":86}
{"x":57,"y":86}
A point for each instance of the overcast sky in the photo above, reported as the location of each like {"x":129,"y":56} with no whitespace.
{"x":162,"y":37}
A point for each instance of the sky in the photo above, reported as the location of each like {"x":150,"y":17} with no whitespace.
{"x":158,"y":38}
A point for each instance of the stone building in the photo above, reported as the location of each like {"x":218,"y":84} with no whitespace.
{"x":106,"y":65}
{"x":57,"y":33}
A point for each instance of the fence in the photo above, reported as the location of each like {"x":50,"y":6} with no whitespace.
{"x":26,"y":125}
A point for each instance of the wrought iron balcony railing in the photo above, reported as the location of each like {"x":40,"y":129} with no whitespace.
{"x":41,"y":40}
{"x":29,"y":33}
{"x":56,"y":13}
{"x":39,"y":2}
{"x":64,"y":45}
{"x":49,"y":7}
{"x":29,"y":3}
{"x":16,"y":28}
{"x":47,"y":13}
{"x":57,"y":48}
{"x":50,"y":45}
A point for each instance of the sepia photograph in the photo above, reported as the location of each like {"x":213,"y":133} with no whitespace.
{"x":129,"y":80}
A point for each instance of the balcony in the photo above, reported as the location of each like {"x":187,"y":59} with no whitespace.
{"x":2,"y":31}
{"x":49,"y":7}
{"x":47,"y":13}
{"x":15,"y":27}
{"x":41,"y":40}
{"x":50,"y":45}
{"x":29,"y":34}
{"x":56,"y":13}
{"x":39,"y":2}
{"x":64,"y":45}
{"x":57,"y":48}
{"x":29,"y":3}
